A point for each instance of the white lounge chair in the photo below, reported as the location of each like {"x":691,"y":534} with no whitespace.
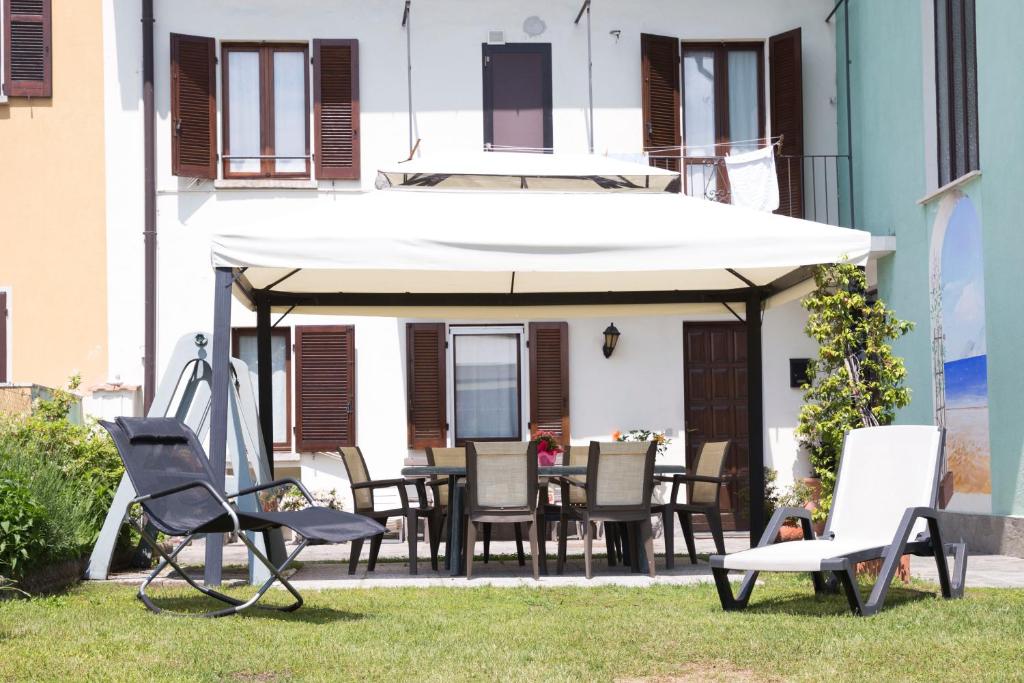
{"x":884,"y":506}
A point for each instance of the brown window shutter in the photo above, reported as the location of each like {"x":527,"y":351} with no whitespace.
{"x":193,"y":107}
{"x":28,"y":67}
{"x":659,"y":56}
{"x":336,"y":108}
{"x":549,"y":379}
{"x":325,"y":373}
{"x":787,"y":107}
{"x":3,"y":337}
{"x":426,"y":385}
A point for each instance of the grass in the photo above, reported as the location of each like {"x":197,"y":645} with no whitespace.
{"x":100,"y":631}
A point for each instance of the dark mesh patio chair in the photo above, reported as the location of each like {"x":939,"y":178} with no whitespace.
{"x":703,"y":489}
{"x":501,"y":480}
{"x":175,"y":486}
{"x":362,"y":494}
{"x":620,"y":478}
{"x":577,"y":456}
{"x":456,"y":457}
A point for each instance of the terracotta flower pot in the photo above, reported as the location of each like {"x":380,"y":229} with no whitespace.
{"x":814,"y":484}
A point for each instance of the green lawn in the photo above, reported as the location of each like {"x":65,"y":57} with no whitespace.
{"x":579,"y":634}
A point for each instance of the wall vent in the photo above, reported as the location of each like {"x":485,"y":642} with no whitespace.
{"x":495,"y":37}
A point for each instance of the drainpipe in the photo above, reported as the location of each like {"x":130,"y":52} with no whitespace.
{"x":149,"y":195}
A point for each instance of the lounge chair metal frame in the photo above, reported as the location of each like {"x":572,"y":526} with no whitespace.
{"x":842,"y":568}
{"x":236,"y":606}
{"x":186,"y":461}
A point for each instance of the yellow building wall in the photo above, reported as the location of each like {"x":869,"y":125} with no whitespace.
{"x":52,"y":216}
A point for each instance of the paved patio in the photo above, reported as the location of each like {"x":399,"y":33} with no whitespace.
{"x":325,"y":566}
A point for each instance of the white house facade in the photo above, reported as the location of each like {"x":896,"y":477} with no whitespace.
{"x":277,"y":115}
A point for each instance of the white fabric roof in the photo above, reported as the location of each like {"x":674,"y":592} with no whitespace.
{"x":434,"y":241}
{"x":523,"y":171}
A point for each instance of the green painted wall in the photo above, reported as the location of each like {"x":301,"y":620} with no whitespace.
{"x":887,"y":81}
{"x":888,"y":167}
{"x":1000,"y":117}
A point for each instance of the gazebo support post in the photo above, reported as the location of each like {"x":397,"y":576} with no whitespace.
{"x":220,"y":360}
{"x":755,"y":414}
{"x":265,"y":387}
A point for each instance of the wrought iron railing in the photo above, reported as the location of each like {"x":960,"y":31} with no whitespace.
{"x":816,"y":187}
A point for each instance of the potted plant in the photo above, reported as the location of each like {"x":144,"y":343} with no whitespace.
{"x":856,"y":380}
{"x":548,"y":449}
{"x":644,"y":435}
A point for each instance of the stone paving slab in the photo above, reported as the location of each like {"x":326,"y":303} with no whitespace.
{"x":326,"y":566}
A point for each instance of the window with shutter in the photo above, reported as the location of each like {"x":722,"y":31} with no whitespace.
{"x":787,"y":107}
{"x":956,"y":81}
{"x":425,"y":385}
{"x":336,"y":108}
{"x":3,"y":337}
{"x":193,"y":107}
{"x":723,"y":111}
{"x":659,"y":56}
{"x":549,"y":379}
{"x":28,"y":63}
{"x":265,"y":89}
{"x":325,"y":387}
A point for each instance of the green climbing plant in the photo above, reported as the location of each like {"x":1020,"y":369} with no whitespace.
{"x":856,"y":380}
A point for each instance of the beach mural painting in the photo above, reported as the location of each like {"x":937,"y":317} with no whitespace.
{"x":958,"y":328}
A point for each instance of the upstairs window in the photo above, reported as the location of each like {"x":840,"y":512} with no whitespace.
{"x":723,"y":111}
{"x":266,"y":111}
{"x":956,"y":87}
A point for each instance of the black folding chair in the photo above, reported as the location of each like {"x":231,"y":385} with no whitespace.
{"x":175,"y":486}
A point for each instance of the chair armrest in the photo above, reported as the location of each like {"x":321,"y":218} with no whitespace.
{"x":400,"y":484}
{"x":771,"y":532}
{"x":691,"y":477}
{"x":382,"y":483}
{"x":271,"y":484}
{"x":191,"y":485}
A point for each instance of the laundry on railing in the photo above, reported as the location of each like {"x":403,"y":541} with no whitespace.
{"x":753,"y":182}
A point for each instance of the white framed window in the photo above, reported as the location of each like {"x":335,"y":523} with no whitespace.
{"x":488,"y":383}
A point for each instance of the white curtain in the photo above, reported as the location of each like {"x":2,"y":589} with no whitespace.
{"x":699,"y":102}
{"x":290,"y":111}
{"x":279,"y":381}
{"x":743,"y":105}
{"x":487,"y":386}
{"x":244,"y":110}
{"x":699,"y":120}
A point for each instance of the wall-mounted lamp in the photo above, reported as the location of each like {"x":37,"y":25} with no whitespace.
{"x":615,"y":33}
{"x":611,"y":338}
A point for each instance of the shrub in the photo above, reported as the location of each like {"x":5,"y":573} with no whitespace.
{"x":59,"y":476}
{"x":22,"y":532}
{"x":857,"y":381}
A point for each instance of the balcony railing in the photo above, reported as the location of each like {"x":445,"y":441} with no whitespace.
{"x":809,"y":184}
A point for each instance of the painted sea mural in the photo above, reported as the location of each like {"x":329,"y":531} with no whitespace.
{"x":961,"y":342}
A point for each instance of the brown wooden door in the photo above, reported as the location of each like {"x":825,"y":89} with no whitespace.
{"x":715,"y":401}
{"x":517,"y":96}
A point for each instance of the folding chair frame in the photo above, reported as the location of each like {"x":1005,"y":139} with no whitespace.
{"x":843,"y":568}
{"x":236,"y":606}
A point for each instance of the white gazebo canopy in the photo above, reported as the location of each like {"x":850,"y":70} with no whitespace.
{"x":448,"y":248}
{"x":482,"y":170}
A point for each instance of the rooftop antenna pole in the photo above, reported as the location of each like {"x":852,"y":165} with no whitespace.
{"x":590,"y":76}
{"x":407,"y":24}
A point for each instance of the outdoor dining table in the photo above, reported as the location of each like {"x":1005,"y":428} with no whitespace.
{"x":456,"y":504}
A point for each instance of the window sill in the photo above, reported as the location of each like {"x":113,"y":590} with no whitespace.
{"x":952,"y":185}
{"x":265,"y":184}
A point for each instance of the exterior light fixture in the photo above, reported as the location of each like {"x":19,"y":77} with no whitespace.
{"x":611,"y":338}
